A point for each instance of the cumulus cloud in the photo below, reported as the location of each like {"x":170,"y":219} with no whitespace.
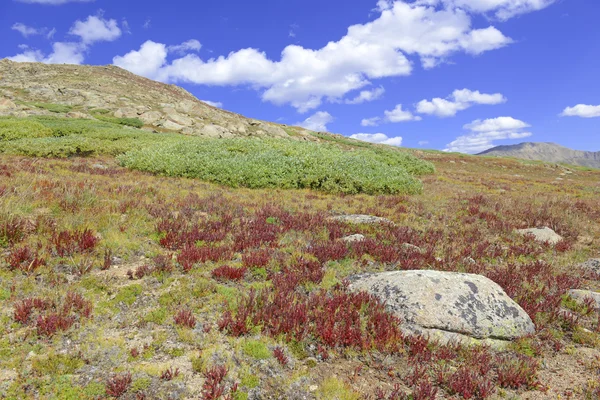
{"x":501,"y":9}
{"x":62,"y":53}
{"x":25,"y":30}
{"x":317,"y":122}
{"x":217,"y":104}
{"x":459,"y":100}
{"x":380,"y":138}
{"x":54,"y":2}
{"x":485,"y":132}
{"x":146,"y":62}
{"x":496,"y":124}
{"x":367,"y":95}
{"x":305,"y":78}
{"x":185,"y":47}
{"x":396,"y":115}
{"x":581,"y":110}
{"x":370,"y":121}
{"x":93,"y":29}
{"x":400,"y":115}
{"x":96,"y":29}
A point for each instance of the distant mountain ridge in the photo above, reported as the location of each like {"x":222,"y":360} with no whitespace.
{"x":548,"y":152}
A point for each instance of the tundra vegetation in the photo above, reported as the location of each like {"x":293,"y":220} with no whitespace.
{"x":127,"y":277}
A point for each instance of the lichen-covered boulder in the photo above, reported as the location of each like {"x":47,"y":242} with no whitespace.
{"x":544,"y":234}
{"x":357,"y":237}
{"x":447,"y":304}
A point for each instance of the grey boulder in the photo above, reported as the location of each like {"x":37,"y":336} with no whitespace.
{"x":580,"y":295}
{"x":361,"y":219}
{"x":544,"y":234}
{"x":591,"y":265}
{"x":448,"y":305}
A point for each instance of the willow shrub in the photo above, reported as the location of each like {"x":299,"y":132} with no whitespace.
{"x":287,"y":164}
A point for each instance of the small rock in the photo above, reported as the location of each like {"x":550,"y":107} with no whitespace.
{"x":544,"y":234}
{"x":353,"y":238}
{"x":6,"y":104}
{"x":313,"y":388}
{"x":581,"y":295}
{"x":591,"y":265}
{"x":409,"y":246}
{"x":361,"y":219}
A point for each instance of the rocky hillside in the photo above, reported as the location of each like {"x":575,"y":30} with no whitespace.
{"x":86,"y":91}
{"x":549,"y":152}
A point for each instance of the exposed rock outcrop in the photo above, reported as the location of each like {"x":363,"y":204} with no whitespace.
{"x":544,"y":234}
{"x":448,"y":305}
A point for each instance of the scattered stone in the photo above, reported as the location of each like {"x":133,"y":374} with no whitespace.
{"x":581,"y":295}
{"x":174,"y":116}
{"x":126,"y":112}
{"x":214,"y":131}
{"x":409,"y":246}
{"x":591,"y":265}
{"x":353,"y":238}
{"x":170,"y":125}
{"x":150,"y":117}
{"x":544,"y":234}
{"x":361,"y":219}
{"x":77,"y":114}
{"x":6,"y":104}
{"x":447,"y":305}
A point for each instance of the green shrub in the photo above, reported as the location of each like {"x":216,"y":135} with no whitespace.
{"x":55,"y":108}
{"x":134,"y":122}
{"x":256,"y":349}
{"x":287,"y":164}
{"x":13,"y":129}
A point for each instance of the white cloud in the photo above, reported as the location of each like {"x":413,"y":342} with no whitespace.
{"x":581,"y":110}
{"x":423,"y":142}
{"x":25,"y":30}
{"x":400,"y":115}
{"x":96,"y":29}
{"x":92,"y":30}
{"x":484,"y":133}
{"x":187,"y":46}
{"x":502,"y":9}
{"x":62,"y":53}
{"x":459,"y":100}
{"x":125,"y":26}
{"x":317,"y":122}
{"x":54,"y":2}
{"x":370,"y":121}
{"x":367,"y":95}
{"x":496,"y":124}
{"x":51,"y":34}
{"x":147,"y":23}
{"x":380,"y":138}
{"x":304,"y":77}
{"x":146,"y":62}
{"x":217,"y":104}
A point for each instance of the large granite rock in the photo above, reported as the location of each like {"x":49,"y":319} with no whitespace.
{"x":448,"y":305}
{"x":544,"y":234}
{"x":6,"y":104}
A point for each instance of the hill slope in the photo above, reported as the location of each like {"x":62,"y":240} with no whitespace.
{"x":550,"y":152}
{"x":85,"y":91}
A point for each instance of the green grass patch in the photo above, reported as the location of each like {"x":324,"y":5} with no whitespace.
{"x":14,"y":129}
{"x":52,"y":107}
{"x":287,"y":164}
{"x":256,"y":349}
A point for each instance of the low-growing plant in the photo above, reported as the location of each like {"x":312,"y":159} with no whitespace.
{"x":117,"y":385}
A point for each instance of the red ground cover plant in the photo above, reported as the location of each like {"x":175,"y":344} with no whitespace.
{"x":49,"y":317}
{"x":225,"y":272}
{"x":280,"y":356}
{"x":24,"y":259}
{"x":185,"y":318}
{"x":213,"y":387}
{"x":67,"y":243}
{"x":117,"y":385}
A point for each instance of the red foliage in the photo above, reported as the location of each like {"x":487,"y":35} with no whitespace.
{"x":257,"y":259}
{"x":329,"y":251}
{"x":169,"y":374}
{"x":12,"y":230}
{"x":337,"y":319}
{"x":117,"y":385}
{"x":226,"y":272}
{"x":67,"y":243}
{"x":185,"y":318}
{"x":48,"y":325}
{"x":469,"y":384}
{"x":279,"y":354}
{"x":517,"y":373}
{"x":213,"y":386}
{"x":192,"y":254}
{"x":24,"y":259}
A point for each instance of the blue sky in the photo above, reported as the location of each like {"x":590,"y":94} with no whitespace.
{"x":461,"y":75}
